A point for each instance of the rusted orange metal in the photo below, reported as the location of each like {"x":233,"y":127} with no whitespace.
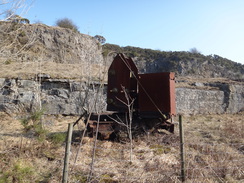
{"x":103,"y":123}
{"x":157,"y":93}
{"x":122,"y":73}
{"x":105,"y":129}
{"x":153,"y":95}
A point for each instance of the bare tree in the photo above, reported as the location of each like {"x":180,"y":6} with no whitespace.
{"x":127,"y":122}
{"x":12,"y":10}
{"x":9,"y":8}
{"x":129,"y":117}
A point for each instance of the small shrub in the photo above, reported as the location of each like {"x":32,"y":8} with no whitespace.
{"x":40,"y":132}
{"x":22,"y":34}
{"x":7,"y":62}
{"x":159,"y":149}
{"x":105,"y":52}
{"x":107,"y":179}
{"x":80,"y":178}
{"x":16,"y":18}
{"x":101,"y":39}
{"x":194,"y":51}
{"x":19,"y":172}
{"x":67,"y":23}
{"x":57,"y":138}
{"x":36,"y":116}
{"x":23,"y":40}
{"x":25,"y":122}
{"x":33,"y":123}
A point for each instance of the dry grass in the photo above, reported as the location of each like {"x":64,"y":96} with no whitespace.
{"x":190,"y":82}
{"x":214,"y":148}
{"x":24,"y":158}
{"x":214,"y":153}
{"x":29,"y":70}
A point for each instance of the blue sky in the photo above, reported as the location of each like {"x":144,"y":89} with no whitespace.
{"x":211,"y":26}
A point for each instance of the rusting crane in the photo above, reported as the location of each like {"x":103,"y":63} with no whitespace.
{"x":146,"y":101}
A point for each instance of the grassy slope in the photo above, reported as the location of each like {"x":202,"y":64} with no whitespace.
{"x":214,"y":143}
{"x":29,"y":70}
{"x":214,"y":153}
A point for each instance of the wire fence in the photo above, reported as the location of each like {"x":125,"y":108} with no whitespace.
{"x":114,"y":164}
{"x":156,"y":158}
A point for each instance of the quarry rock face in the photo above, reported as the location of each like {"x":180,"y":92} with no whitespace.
{"x":34,"y":43}
{"x":228,"y":99}
{"x":67,"y":97}
{"x":40,"y":43}
{"x":54,"y":96}
{"x":195,"y":101}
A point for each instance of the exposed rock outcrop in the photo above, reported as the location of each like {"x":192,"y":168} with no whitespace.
{"x":181,"y":62}
{"x":67,"y":97}
{"x":228,"y":99}
{"x":56,"y":96}
{"x":27,"y":50}
{"x":38,"y":42}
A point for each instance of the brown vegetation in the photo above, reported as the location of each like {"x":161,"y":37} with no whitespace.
{"x":214,"y":153}
{"x":29,"y":70}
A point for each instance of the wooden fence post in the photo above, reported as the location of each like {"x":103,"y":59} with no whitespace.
{"x":182,"y":153}
{"x":67,"y":153}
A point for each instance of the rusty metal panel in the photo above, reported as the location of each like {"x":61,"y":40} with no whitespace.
{"x":121,"y":73}
{"x":157,"y":92}
{"x":172,"y":101}
{"x":105,"y":129}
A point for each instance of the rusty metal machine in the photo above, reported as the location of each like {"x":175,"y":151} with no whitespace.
{"x":134,"y":100}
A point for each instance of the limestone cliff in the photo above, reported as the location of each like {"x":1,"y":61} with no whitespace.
{"x":46,"y":66}
{"x":67,"y":97}
{"x":38,"y":42}
{"x":183,"y":63}
{"x":28,"y":49}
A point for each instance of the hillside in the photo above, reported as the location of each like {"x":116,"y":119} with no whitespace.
{"x":40,"y":95}
{"x":182,"y":63}
{"x":39,"y":42}
{"x":215,"y":154}
{"x":58,"y":60}
{"x":28,"y":49}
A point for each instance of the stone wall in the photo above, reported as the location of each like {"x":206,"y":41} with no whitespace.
{"x":67,"y":97}
{"x":226,"y":98}
{"x":195,"y":101}
{"x":56,"y":96}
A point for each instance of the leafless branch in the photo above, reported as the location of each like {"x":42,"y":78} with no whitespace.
{"x":10,"y":7}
